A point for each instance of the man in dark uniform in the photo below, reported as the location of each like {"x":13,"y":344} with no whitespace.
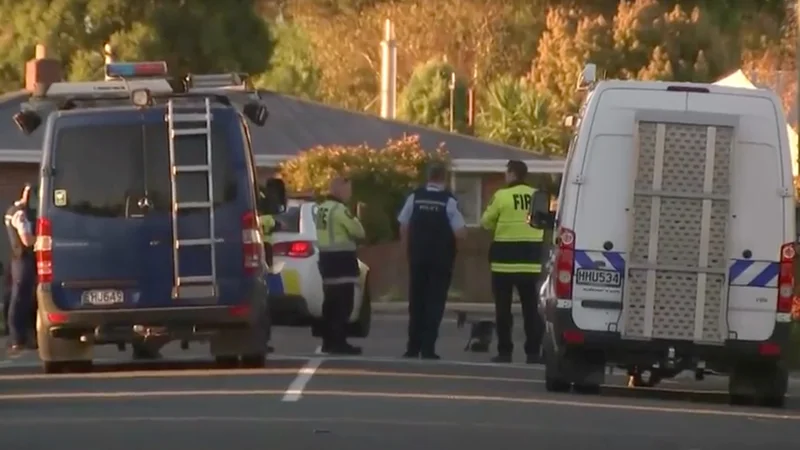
{"x":430,"y":222}
{"x":23,"y":271}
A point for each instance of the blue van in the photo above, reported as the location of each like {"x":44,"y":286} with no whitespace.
{"x":148,"y":225}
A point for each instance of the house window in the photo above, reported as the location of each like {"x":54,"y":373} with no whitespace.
{"x":467,"y":189}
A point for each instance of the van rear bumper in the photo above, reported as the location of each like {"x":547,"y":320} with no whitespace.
{"x":623,"y":352}
{"x":184,"y":322}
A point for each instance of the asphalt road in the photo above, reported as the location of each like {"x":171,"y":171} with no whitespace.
{"x":304,"y":400}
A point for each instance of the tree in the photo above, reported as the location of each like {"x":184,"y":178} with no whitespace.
{"x":645,"y":40}
{"x":381,"y":177}
{"x":293,"y":68}
{"x":513,"y":113}
{"x":483,"y":36}
{"x":201,"y":36}
{"x":426,"y":99}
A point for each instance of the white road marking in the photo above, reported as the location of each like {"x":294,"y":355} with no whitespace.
{"x":295,"y":390}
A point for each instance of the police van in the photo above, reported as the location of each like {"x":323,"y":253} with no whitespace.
{"x":147,"y":226}
{"x":674,"y":241}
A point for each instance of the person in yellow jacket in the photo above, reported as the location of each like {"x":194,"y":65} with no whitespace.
{"x":338,"y":232}
{"x":515,"y":261}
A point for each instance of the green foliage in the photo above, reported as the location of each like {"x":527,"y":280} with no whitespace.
{"x":293,"y":68}
{"x":197,"y":36}
{"x":381,"y":177}
{"x":514,"y":113}
{"x":426,"y":99}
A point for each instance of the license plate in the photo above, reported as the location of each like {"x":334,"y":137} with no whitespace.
{"x":103,"y":297}
{"x":596,"y":277}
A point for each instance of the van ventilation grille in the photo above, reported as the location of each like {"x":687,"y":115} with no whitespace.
{"x":671,"y":181}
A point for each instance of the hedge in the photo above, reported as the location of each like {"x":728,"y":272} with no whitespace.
{"x":381,"y":177}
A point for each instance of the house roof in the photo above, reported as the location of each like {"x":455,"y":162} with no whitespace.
{"x":296,"y":125}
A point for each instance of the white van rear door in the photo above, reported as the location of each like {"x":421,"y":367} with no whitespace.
{"x":758,"y":217}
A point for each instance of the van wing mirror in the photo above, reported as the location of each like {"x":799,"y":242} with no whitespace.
{"x":272,"y":197}
{"x":256,"y":112}
{"x":539,"y":215}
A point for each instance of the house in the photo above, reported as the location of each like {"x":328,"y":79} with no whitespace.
{"x":740,"y":79}
{"x":295,"y":125}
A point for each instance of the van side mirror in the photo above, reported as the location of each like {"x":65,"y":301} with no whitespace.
{"x":588,"y":77}
{"x":272,"y":197}
{"x":256,"y":112}
{"x":27,"y":121}
{"x":539,"y":215}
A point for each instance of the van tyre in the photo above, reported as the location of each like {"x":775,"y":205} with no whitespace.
{"x":763,"y":384}
{"x":361,"y":327}
{"x":52,"y":367}
{"x":554,"y":380}
{"x":254,"y":361}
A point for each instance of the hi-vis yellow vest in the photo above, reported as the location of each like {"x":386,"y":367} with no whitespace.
{"x":517,"y":247}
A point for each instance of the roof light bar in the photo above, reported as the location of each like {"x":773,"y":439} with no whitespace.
{"x":106,"y":88}
{"x":137,"y":69}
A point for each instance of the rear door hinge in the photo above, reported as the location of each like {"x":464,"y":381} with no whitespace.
{"x":579,"y":179}
{"x":785,"y":192}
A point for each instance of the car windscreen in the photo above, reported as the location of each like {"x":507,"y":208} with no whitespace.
{"x":289,"y":220}
{"x":104,"y":170}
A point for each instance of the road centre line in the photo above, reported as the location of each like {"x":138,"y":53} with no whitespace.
{"x":295,"y":390}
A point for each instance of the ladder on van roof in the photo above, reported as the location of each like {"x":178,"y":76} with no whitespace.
{"x":677,"y":270}
{"x":188,"y":121}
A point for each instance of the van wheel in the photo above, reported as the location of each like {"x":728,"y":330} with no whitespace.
{"x":361,"y":327}
{"x":226,"y":362}
{"x":763,"y":384}
{"x":52,"y":367}
{"x":255,"y":361}
{"x":554,"y":380}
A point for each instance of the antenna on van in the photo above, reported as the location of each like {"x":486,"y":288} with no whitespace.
{"x":587,"y":78}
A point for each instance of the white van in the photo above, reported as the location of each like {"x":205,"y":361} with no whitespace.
{"x":675,"y":240}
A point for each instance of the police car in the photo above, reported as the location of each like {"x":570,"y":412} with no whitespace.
{"x":296,"y":289}
{"x":675,"y":240}
{"x":147,"y":226}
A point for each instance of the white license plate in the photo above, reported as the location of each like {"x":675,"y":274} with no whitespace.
{"x":102,"y":297}
{"x":597,"y":277}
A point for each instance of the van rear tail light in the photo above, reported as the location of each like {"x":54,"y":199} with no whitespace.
{"x":786,"y":278}
{"x":43,"y":250}
{"x":564,"y":263}
{"x":294,"y":249}
{"x":252,"y":247}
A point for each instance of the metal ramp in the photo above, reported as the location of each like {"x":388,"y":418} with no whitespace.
{"x":677,"y":269}
{"x":190,"y":121}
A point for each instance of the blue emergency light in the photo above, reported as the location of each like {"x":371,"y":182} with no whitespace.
{"x":137,"y":69}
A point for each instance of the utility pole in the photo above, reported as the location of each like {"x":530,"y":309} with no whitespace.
{"x":452,"y":102}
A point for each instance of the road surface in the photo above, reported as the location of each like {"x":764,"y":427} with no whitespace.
{"x":304,"y":400}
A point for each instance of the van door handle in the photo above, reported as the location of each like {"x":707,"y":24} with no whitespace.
{"x":154,"y":243}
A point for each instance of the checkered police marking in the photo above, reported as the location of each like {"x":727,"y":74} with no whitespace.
{"x":746,"y":272}
{"x":588,"y":259}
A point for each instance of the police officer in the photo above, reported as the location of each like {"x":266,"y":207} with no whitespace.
{"x":337,"y":233}
{"x":23,"y":270}
{"x":515,"y":261}
{"x":430,"y":223}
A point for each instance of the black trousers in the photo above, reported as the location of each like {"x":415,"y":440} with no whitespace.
{"x":336,"y":309}
{"x":429,"y":284}
{"x":503,"y":285}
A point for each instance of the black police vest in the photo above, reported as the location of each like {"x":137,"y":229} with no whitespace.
{"x":431,"y":239}
{"x":18,"y":249}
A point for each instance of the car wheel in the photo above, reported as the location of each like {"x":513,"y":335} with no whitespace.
{"x":361,"y":327}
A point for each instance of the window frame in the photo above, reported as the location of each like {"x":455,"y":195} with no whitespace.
{"x":478,"y":191}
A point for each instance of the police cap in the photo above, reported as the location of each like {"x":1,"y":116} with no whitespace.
{"x":518,"y":168}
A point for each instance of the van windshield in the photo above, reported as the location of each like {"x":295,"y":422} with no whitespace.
{"x":104,"y":170}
